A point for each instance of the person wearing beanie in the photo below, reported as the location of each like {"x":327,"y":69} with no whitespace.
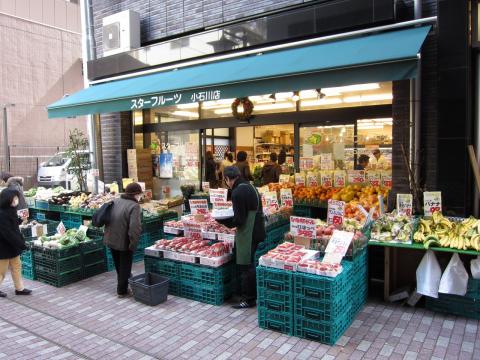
{"x":122,"y":234}
{"x":16,"y":183}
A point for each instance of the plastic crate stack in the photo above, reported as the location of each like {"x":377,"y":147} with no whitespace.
{"x":314,"y":307}
{"x":467,"y":306}
{"x":192,"y":281}
{"x":58,"y":267}
{"x":93,"y":257}
{"x":275,"y":236}
{"x":71,"y":220}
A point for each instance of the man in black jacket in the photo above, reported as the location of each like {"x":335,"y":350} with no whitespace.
{"x":250,"y":223}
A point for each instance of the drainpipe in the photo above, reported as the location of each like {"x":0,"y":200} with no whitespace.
{"x":89,"y":53}
{"x":417,"y":99}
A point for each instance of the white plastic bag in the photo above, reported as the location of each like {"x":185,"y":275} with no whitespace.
{"x":455,"y":278}
{"x":428,"y":275}
{"x":475,"y":267}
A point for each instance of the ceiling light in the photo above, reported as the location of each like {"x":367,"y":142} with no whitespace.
{"x":351,"y":88}
{"x":217,"y":103}
{"x":295,"y":96}
{"x":285,"y":105}
{"x":364,"y":98}
{"x":322,"y":102}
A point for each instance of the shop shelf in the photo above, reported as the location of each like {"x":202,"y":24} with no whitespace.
{"x":57,"y":266}
{"x":93,"y":256}
{"x":28,"y":272}
{"x":327,"y":332}
{"x":275,"y":301}
{"x":214,"y":295}
{"x":203,"y":275}
{"x":81,"y":211}
{"x":71,"y":217}
{"x":454,"y":305}
{"x":37,"y":214}
{"x":165,"y":267}
{"x":95,"y":244}
{"x":94,"y":269}
{"x":276,"y":321}
{"x":57,"y":208}
{"x":274,"y":279}
{"x":59,"y":280}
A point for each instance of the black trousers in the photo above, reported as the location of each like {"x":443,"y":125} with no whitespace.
{"x":123,"y":265}
{"x":248,"y":278}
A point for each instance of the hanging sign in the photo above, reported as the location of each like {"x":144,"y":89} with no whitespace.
{"x":405,"y":204}
{"x":335,"y":212}
{"x":218,"y":195}
{"x":300,"y":226}
{"x":166,"y":165}
{"x":193,"y":230}
{"x":198,"y":206}
{"x":286,"y":197}
{"x":299,"y":179}
{"x":327,"y":179}
{"x":374,"y":178}
{"x":356,"y":176}
{"x":206,"y":187}
{"x":387,"y":179}
{"x":61,"y":228}
{"x":339,"y":178}
{"x":337,"y":246}
{"x":432,"y":202}
{"x":312,"y":180}
{"x":284,"y":179}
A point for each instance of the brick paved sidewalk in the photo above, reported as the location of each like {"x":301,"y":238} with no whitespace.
{"x":87,"y":321}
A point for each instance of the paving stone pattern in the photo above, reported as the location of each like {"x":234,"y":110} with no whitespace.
{"x":87,"y":321}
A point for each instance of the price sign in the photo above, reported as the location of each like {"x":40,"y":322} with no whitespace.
{"x":284,"y":179}
{"x":387,"y":180}
{"x":218,"y":195}
{"x":326,"y":162}
{"x":286,"y":197}
{"x":271,"y":199}
{"x":405,"y":204}
{"x":339,"y":179}
{"x":61,"y":228}
{"x":356,"y":176}
{"x":306,"y":227}
{"x":312,"y":180}
{"x":374,"y":178}
{"x":206,"y":186}
{"x":263,"y":189}
{"x":148,"y":194}
{"x":193,"y":230}
{"x":198,"y":206}
{"x":338,"y":245}
{"x":335,"y":212}
{"x":39,"y":230}
{"x":23,"y":214}
{"x":222,"y":205}
{"x":432,"y":202}
{"x":299,"y":179}
{"x":306,"y":163}
{"x":327,"y":179}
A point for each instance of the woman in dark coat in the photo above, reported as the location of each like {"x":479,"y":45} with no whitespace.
{"x":12,"y":242}
{"x":211,"y":170}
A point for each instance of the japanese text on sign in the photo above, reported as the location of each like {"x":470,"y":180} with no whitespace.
{"x":284,"y":179}
{"x":199,"y":206}
{"x":218,"y":195}
{"x":271,"y":199}
{"x":299,"y":179}
{"x":326,"y":178}
{"x":356,"y":176}
{"x":312,"y":180}
{"x":338,"y":245}
{"x":374,"y":178}
{"x":387,"y":180}
{"x":222,"y":205}
{"x":172,"y":99}
{"x":306,"y":163}
{"x":300,"y":226}
{"x":432,"y":202}
{"x":193,"y":230}
{"x":339,"y":179}
{"x":286,"y":197}
{"x":335,"y":212}
{"x":404,"y":204}
{"x":206,"y":186}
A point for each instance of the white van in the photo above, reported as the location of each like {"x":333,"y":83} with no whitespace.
{"x":54,"y":171}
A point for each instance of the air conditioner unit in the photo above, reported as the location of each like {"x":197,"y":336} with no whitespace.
{"x":121,"y":32}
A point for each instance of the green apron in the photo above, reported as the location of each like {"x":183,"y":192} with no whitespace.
{"x":244,"y":236}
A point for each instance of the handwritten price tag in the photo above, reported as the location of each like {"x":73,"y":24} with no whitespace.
{"x":218,"y":195}
{"x":405,"y":204}
{"x":198,"y":207}
{"x":286,"y":197}
{"x":339,"y":244}
{"x":339,"y":179}
{"x":312,"y":180}
{"x":193,"y":231}
{"x":271,"y":199}
{"x":335,"y":212}
{"x":387,"y":180}
{"x":432,"y":202}
{"x":206,"y":186}
{"x":284,"y":179}
{"x":356,"y":176}
{"x":222,"y":205}
{"x":306,"y":227}
{"x":327,"y":179}
{"x":299,"y":179}
{"x":374,"y":178}
{"x":61,"y":228}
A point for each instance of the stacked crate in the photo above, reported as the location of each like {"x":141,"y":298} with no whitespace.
{"x":140,"y":166}
{"x":275,"y":236}
{"x":93,"y":257}
{"x":58,"y":267}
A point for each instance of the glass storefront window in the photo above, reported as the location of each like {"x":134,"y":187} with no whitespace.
{"x":376,"y":134}
{"x":168,"y":114}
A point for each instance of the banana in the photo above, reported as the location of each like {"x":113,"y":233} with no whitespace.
{"x":425,"y":224}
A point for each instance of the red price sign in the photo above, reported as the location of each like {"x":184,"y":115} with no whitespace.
{"x":199,"y":206}
{"x":193,"y":231}
{"x":337,"y":220}
{"x":335,"y":212}
{"x":300,"y":226}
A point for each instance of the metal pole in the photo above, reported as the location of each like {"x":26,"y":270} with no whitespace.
{"x":5,"y":140}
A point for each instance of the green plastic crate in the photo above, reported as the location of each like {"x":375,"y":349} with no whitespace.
{"x":274,"y":279}
{"x":275,"y":301}
{"x":454,"y":305}
{"x":95,"y":232}
{"x":28,"y":272}
{"x":57,"y":208}
{"x":276,"y":235}
{"x":59,"y":280}
{"x":55,"y":254}
{"x":41,"y":204}
{"x":203,"y":275}
{"x":57,"y":266}
{"x":93,"y":256}
{"x":148,"y":238}
{"x":27,"y":257}
{"x":174,"y":287}
{"x":322,"y":310}
{"x":214,"y":295}
{"x":473,"y":289}
{"x":165,"y":267}
{"x":94,"y":244}
{"x":94,"y":269}
{"x":277,"y":321}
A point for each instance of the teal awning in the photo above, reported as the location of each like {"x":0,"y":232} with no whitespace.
{"x":374,"y":58}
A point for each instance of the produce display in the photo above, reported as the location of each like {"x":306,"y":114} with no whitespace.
{"x":90,"y":201}
{"x":64,"y":198}
{"x":71,"y":238}
{"x":46,"y":194}
{"x":444,"y":232}
{"x":318,"y":268}
{"x":287,"y":256}
{"x":207,"y":225}
{"x":30,"y":192}
{"x":393,"y":227}
{"x":281,"y":214}
{"x":313,"y":195}
{"x":194,"y":247}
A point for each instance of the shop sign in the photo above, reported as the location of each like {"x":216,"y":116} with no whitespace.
{"x":222,"y":205}
{"x":299,"y":179}
{"x":335,"y":212}
{"x":339,"y":179}
{"x":327,"y":179}
{"x":284,"y":179}
{"x":166,"y":165}
{"x":312,"y":180}
{"x":356,"y":176}
{"x":146,"y":102}
{"x":300,"y":226}
{"x":387,"y":180}
{"x":218,"y":195}
{"x":405,"y":204}
{"x":271,"y":199}
{"x":374,"y":178}
{"x":23,"y":213}
{"x":432,"y":202}
{"x":326,"y":162}
{"x":286,"y":197}
{"x":198,"y":206}
{"x":306,"y":163}
{"x":206,"y":187}
{"x":61,"y":228}
{"x":193,"y":230}
{"x":337,"y":246}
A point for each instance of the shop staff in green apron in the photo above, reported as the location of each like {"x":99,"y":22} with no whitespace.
{"x":250,"y":223}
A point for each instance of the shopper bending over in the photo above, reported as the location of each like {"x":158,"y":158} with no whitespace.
{"x":271,"y":170}
{"x":363,"y":161}
{"x":12,"y":242}
{"x":122,"y":234}
{"x":249,"y":220}
{"x":243,"y":166}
